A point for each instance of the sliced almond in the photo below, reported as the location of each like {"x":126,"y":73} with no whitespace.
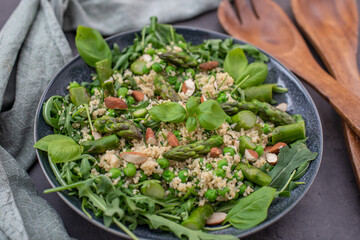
{"x":203,"y":98}
{"x":267,"y":149}
{"x":282,"y":107}
{"x":216,"y":218}
{"x":139,"y":96}
{"x":271,"y":158}
{"x":134,"y":157}
{"x":190,"y":86}
{"x":276,"y":148}
{"x":251,"y":155}
{"x":208,"y":65}
{"x":150,"y":137}
{"x":184,"y":88}
{"x":215,"y":152}
{"x":115,"y":103}
{"x":96,"y":135}
{"x":172,"y":139}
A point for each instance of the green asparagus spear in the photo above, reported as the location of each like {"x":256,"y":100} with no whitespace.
{"x":244,"y":119}
{"x":197,"y":219}
{"x":289,"y":133}
{"x":262,"y":93}
{"x":108,"y":89}
{"x":79,"y":95}
{"x":263,"y":109}
{"x":100,"y":145}
{"x":164,"y":89}
{"x":103,"y":70}
{"x":253,"y":174}
{"x":245,"y":143}
{"x":121,"y":126}
{"x":193,"y":150}
{"x":181,"y":59}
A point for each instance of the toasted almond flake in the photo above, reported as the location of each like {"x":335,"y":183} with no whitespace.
{"x":216,"y":218}
{"x":271,"y":158}
{"x":208,"y":65}
{"x":282,"y":107}
{"x":215,"y":152}
{"x":276,"y":148}
{"x":139,"y":96}
{"x":172,"y":139}
{"x":251,"y":155}
{"x":150,"y":137}
{"x":134,"y":157}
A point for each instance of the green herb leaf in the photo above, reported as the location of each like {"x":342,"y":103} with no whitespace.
{"x":64,"y":150}
{"x":235,"y":63}
{"x":289,"y":160}
{"x":210,"y":115}
{"x":43,"y":143}
{"x":251,"y":210}
{"x":192,"y":104}
{"x":191,"y":124}
{"x":257,"y":72}
{"x":168,"y":112}
{"x":91,"y":46}
{"x":253,"y":52}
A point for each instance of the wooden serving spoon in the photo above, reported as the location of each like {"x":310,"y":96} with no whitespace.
{"x":332,"y":27}
{"x":268,"y":27}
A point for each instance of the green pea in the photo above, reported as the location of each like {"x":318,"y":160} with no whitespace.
{"x":122,"y":92}
{"x":74,"y":85}
{"x":250,"y":184}
{"x":191,"y":72}
{"x":172,"y":80}
{"x":168,"y":175}
{"x":139,"y":68}
{"x":130,"y":100}
{"x":161,"y":50}
{"x":130,"y":170}
{"x":267,"y":129}
{"x":228,"y":120}
{"x":236,"y":174}
{"x":163,"y":163}
{"x":182,"y":45}
{"x":211,"y":195}
{"x":156,"y":67}
{"x":229,"y":150}
{"x":222,"y":163}
{"x":183,"y":175}
{"x":259,"y":149}
{"x":242,"y":189}
{"x":143,"y":176}
{"x":140,"y":113}
{"x":208,"y":166}
{"x":93,"y":89}
{"x":180,"y":70}
{"x":150,"y":51}
{"x":222,"y":192}
{"x":115,"y":173}
{"x":156,"y":176}
{"x":220,"y":173}
{"x":110,"y":112}
{"x":222,"y":98}
{"x":201,"y":160}
{"x":169,"y":69}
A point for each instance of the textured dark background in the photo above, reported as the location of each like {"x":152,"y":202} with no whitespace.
{"x":330,"y":210}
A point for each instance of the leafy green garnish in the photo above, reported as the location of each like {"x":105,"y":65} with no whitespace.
{"x":64,"y":150}
{"x":168,"y":112}
{"x":192,"y":104}
{"x":91,"y":46}
{"x":251,"y":210}
{"x":235,"y":63}
{"x":257,"y":72}
{"x":43,"y":143}
{"x":290,"y":158}
{"x":210,"y":115}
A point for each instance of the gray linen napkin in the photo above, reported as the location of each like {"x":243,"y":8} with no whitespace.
{"x":32,"y":49}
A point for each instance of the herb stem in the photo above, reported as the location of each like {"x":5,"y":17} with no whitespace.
{"x":170,"y":216}
{"x":125,"y":229}
{"x":88,"y":115}
{"x":223,"y":81}
{"x":56,"y":172}
{"x":217,"y":228}
{"x":288,"y":182}
{"x":239,"y":84}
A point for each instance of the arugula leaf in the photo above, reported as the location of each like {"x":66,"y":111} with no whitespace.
{"x":91,"y":46}
{"x":64,"y":150}
{"x":168,"y":112}
{"x":181,"y":231}
{"x":192,"y":104}
{"x":251,"y":210}
{"x":210,"y":115}
{"x":235,"y":63}
{"x":289,"y":160}
{"x":257,"y":72}
{"x":43,"y":143}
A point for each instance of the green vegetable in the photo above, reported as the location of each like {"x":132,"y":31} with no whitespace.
{"x":94,"y":89}
{"x":157,"y":67}
{"x":74,"y":85}
{"x":245,"y":143}
{"x":164,"y":89}
{"x":43,"y":143}
{"x":183,"y":175}
{"x":191,"y":72}
{"x":108,"y":89}
{"x":289,"y":159}
{"x":244,"y":119}
{"x":191,"y":124}
{"x":210,"y":115}
{"x":168,"y":175}
{"x":222,"y":163}
{"x":300,"y":171}
{"x":220,"y":173}
{"x":211,"y":195}
{"x":259,"y":149}
{"x":64,"y":150}
{"x":251,"y":210}
{"x":79,"y":96}
{"x":91,"y":46}
{"x":115,"y":173}
{"x":289,"y":133}
{"x":170,"y":69}
{"x":235,"y":63}
{"x":193,"y":150}
{"x":163,"y":162}
{"x":168,"y":112}
{"x":208,"y":166}
{"x":110,"y":112}
{"x":121,"y":126}
{"x":229,"y":150}
{"x":140,"y":113}
{"x":222,"y":192}
{"x":198,"y":217}
{"x":100,"y":145}
{"x":180,"y":59}
{"x":130,"y":100}
{"x":267,"y":129}
{"x":143,"y":176}
{"x":222,"y":98}
{"x":253,"y":174}
{"x":263,"y":93}
{"x":191,"y":105}
{"x":50,"y":110}
{"x":104,"y":70}
{"x":242,"y":189}
{"x":256,"y":72}
{"x":122,"y":92}
{"x":152,"y":189}
{"x":139,"y":68}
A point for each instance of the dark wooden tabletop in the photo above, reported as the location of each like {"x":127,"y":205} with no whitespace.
{"x":330,"y":209}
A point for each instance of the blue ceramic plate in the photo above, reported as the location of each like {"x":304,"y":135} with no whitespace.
{"x":298,"y":99}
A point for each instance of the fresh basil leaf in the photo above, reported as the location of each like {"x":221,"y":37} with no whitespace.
{"x":257,"y":73}
{"x":43,"y":143}
{"x":210,"y":115}
{"x":64,"y":150}
{"x":289,"y":159}
{"x":251,"y":210}
{"x":235,"y":63}
{"x":91,"y":46}
{"x":191,"y":124}
{"x":192,"y":104}
{"x":168,"y":112}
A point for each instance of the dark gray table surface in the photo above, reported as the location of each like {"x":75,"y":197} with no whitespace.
{"x":330,"y":210}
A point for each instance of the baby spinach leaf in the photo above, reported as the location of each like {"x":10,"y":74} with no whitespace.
{"x":191,"y":124}
{"x":251,"y":210}
{"x":257,"y":72}
{"x":91,"y":46}
{"x":289,"y":160}
{"x":43,"y":143}
{"x":64,"y":150}
{"x":181,"y":231}
{"x":192,"y":104}
{"x":253,"y":52}
{"x":235,"y":63}
{"x":210,"y":115}
{"x":168,"y":112}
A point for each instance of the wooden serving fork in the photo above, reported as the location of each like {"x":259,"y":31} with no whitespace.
{"x":332,"y":27}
